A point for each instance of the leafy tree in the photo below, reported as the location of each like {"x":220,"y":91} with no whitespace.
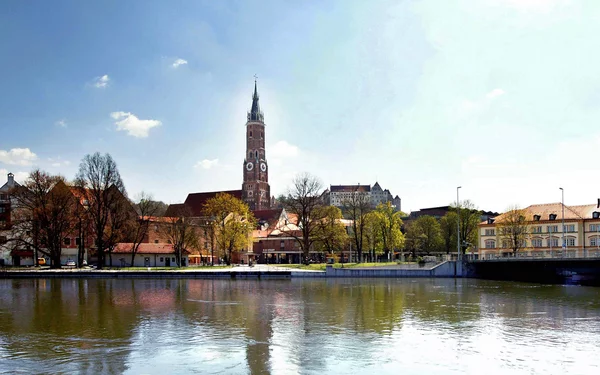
{"x":424,"y":235}
{"x":389,"y":224}
{"x":44,"y":214}
{"x":469,"y":218}
{"x":303,"y":201}
{"x":97,"y":173}
{"x":232,"y":221}
{"x":448,"y":229}
{"x":330,"y":232}
{"x":513,"y":228}
{"x":372,"y":239}
{"x":356,"y":208}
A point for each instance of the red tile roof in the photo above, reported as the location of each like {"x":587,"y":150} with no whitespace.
{"x":350,"y":188}
{"x":544,"y":211}
{"x":145,"y":248}
{"x":195,"y":202}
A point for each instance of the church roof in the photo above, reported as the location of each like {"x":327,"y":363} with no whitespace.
{"x":255,"y":113}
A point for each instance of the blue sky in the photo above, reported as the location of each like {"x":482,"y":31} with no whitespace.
{"x":498,"y":96}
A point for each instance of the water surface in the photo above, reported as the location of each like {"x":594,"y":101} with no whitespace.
{"x":363,"y":326}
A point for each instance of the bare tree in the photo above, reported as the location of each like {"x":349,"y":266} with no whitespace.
{"x":303,"y":201}
{"x":356,"y":208}
{"x":44,"y":214}
{"x":97,"y":173}
{"x":181,"y":231}
{"x":122,"y":220}
{"x":146,"y":209}
{"x":513,"y":228}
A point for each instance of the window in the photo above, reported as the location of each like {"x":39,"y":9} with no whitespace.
{"x":490,"y":232}
{"x":282,"y":244}
{"x":67,"y":241}
{"x":553,"y":242}
{"x":156,"y":228}
{"x":261,"y":135}
{"x":596,"y":215}
{"x":490,"y":244}
{"x":4,"y":197}
{"x":536,"y":242}
{"x":250,"y":133}
{"x":2,"y":210}
{"x":77,"y":241}
{"x":569,"y":228}
{"x":173,"y":259}
{"x":552,"y":217}
{"x":155,"y":241}
{"x":536,"y":230}
{"x":552,"y":228}
{"x":536,"y":217}
{"x":162,"y":259}
{"x":570,"y":241}
{"x":594,"y":227}
{"x":594,"y":241}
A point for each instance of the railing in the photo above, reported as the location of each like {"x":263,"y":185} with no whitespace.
{"x":554,"y":254}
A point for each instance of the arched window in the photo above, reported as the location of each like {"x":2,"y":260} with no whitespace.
{"x":594,"y":241}
{"x":250,"y":154}
{"x":490,"y":244}
{"x":250,"y":133}
{"x":257,"y":154}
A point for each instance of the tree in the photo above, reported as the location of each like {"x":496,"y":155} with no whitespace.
{"x":448,"y":229}
{"x":356,"y":208}
{"x":97,"y":173}
{"x":304,"y":201}
{"x":424,"y":235}
{"x":389,"y":224}
{"x":44,"y":214}
{"x":513,"y":229}
{"x":146,"y":209}
{"x":181,"y":231}
{"x":232,"y":223}
{"x":371,"y":230}
{"x":122,"y":221}
{"x":469,"y":218}
{"x":331,"y":232}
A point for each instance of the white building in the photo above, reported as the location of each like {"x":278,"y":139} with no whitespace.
{"x":338,"y":194}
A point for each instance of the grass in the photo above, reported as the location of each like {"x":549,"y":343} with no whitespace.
{"x":321,"y":266}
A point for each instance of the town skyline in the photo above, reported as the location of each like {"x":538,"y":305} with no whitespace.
{"x":170,"y":103}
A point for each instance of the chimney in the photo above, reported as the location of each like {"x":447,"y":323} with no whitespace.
{"x":11,"y":179}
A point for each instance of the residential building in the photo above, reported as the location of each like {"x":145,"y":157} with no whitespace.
{"x":11,"y":253}
{"x":545,"y":233}
{"x":147,"y":255}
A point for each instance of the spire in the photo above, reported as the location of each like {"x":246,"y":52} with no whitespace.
{"x":255,"y":113}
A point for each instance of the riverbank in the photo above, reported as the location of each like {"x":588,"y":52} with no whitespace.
{"x":446,"y":269}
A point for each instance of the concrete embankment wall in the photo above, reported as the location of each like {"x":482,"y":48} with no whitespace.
{"x":145,"y":274}
{"x":446,"y":269}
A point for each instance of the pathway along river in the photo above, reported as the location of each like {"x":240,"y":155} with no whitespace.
{"x":364,"y":326}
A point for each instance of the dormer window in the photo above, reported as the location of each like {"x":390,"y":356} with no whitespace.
{"x":537,"y":217}
{"x":490,"y":221}
{"x":596,"y":215}
{"x":552,"y":217}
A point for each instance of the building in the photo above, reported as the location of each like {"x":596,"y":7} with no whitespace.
{"x":336,"y":195}
{"x":544,"y":233}
{"x":10,"y":253}
{"x":256,"y":191}
{"x":147,"y":255}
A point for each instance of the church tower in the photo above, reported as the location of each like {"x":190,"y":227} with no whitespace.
{"x":255,"y":189}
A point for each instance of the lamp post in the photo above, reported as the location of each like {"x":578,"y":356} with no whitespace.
{"x":458,"y":225}
{"x":564,"y":244}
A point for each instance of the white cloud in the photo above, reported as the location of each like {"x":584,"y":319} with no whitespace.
{"x":133,"y":125}
{"x":495,"y":93}
{"x":62,"y":123}
{"x":207,"y":164}
{"x":17,"y":156}
{"x":58,"y":162}
{"x":179,"y":62}
{"x":101,"y":82}
{"x":283,"y":149}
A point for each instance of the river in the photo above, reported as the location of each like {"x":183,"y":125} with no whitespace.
{"x":362,"y":326}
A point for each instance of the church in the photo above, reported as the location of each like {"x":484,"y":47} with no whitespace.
{"x":255,"y":191}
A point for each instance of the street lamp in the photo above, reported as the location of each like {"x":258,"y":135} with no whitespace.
{"x":564,"y":244}
{"x":458,"y":225}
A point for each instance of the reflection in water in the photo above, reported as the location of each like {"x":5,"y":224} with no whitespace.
{"x":296,"y":326}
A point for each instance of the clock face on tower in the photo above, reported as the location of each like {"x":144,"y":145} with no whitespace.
{"x":263,"y":167}
{"x":249,"y":166}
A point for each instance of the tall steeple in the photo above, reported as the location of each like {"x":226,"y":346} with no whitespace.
{"x":255,"y":188}
{"x":255,"y":113}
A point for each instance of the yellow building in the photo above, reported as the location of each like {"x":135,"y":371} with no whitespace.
{"x":543,"y":238}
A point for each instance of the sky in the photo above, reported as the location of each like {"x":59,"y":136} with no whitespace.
{"x":500,"y":97}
